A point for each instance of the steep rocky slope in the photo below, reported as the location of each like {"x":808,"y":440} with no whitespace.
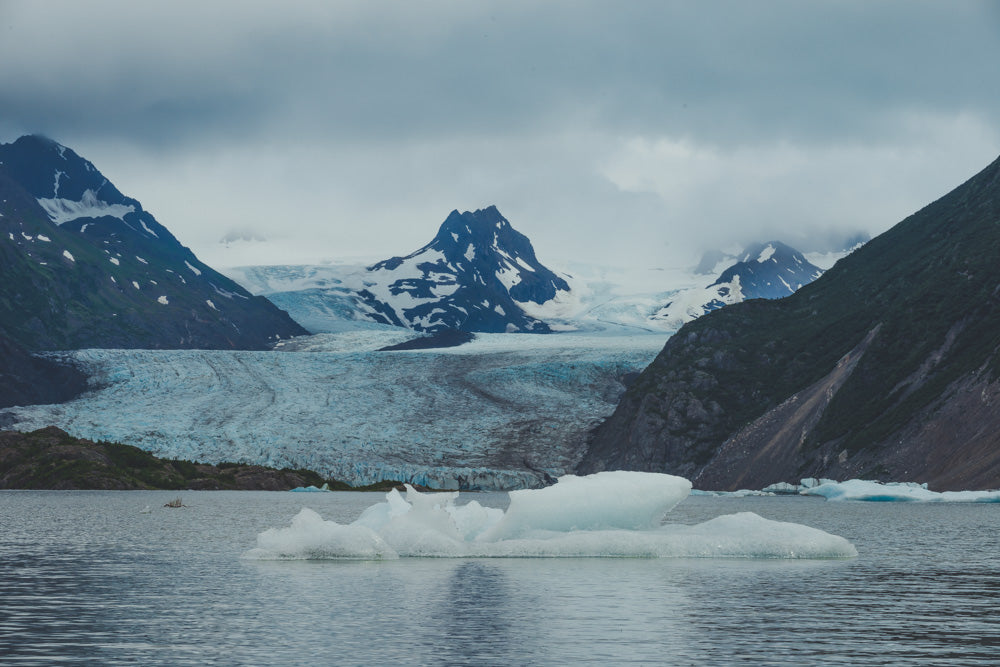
{"x":885,"y":367}
{"x":27,"y":379}
{"x":82,"y":265}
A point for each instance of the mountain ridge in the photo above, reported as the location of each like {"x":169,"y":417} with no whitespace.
{"x":85,"y":266}
{"x":929,"y":288}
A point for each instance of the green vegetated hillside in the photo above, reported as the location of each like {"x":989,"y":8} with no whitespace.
{"x":886,"y":367}
{"x":51,"y":459}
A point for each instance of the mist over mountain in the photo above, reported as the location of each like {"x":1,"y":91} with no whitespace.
{"x":888,"y":366}
{"x":479,"y":274}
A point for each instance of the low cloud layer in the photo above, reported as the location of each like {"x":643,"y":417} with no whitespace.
{"x":636,"y":133}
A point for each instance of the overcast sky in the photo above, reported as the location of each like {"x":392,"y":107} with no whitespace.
{"x":638,"y":132}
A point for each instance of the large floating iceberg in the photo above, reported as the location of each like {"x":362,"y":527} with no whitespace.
{"x":607,"y":514}
{"x":858,"y":489}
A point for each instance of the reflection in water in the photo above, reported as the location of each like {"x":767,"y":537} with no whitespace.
{"x":478,"y":617}
{"x":86,"y":578}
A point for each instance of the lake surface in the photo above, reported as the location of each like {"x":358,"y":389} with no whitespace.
{"x":86,"y":578}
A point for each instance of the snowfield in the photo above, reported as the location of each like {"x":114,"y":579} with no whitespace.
{"x":502,"y":412}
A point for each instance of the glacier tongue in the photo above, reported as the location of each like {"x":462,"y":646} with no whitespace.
{"x":502,"y":412}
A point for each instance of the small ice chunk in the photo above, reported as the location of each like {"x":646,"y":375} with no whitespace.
{"x":163,"y":300}
{"x":68,"y":255}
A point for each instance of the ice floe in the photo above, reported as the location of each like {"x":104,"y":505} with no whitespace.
{"x":858,"y":489}
{"x":608,"y":514}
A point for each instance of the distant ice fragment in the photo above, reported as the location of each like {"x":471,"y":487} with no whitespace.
{"x":857,"y":489}
{"x":609,"y":514}
{"x":781,"y":488}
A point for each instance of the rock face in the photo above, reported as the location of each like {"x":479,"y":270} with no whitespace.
{"x":27,"y":380}
{"x":477,"y":274}
{"x":886,"y":367}
{"x":82,"y":265}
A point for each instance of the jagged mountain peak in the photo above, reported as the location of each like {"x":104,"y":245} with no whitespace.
{"x":480,"y":225}
{"x":50,"y":171}
{"x":476,"y":274}
{"x":769,"y":271}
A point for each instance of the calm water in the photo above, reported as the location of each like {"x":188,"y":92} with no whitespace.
{"x":86,"y":578}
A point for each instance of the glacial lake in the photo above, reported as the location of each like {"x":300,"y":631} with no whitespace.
{"x":88,"y":578}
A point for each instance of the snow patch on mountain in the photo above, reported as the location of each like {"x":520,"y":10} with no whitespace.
{"x":61,"y":211}
{"x":765,"y":254}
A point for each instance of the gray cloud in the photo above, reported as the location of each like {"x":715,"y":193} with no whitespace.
{"x":674,"y":124}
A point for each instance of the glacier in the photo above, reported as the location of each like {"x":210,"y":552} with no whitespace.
{"x":502,"y":412}
{"x":607,"y":514}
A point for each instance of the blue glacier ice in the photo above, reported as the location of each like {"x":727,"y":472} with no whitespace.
{"x":502,"y":412}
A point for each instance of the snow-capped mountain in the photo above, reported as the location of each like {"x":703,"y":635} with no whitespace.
{"x":333,"y":297}
{"x":762,"y":271}
{"x":477,"y":274}
{"x":85,"y":266}
{"x":769,"y":271}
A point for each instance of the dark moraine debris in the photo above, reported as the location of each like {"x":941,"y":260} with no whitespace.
{"x":443,"y":338}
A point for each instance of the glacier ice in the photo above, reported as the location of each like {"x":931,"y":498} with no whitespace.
{"x":499,"y":413}
{"x":858,"y":489}
{"x":607,"y":514}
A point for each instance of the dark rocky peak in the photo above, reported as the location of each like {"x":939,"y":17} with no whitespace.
{"x":471,"y":276}
{"x":49,"y":170}
{"x":483,"y":228}
{"x":770,"y":271}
